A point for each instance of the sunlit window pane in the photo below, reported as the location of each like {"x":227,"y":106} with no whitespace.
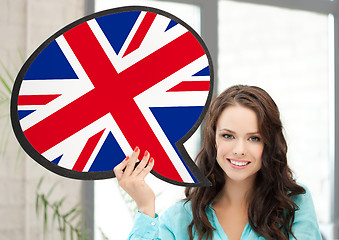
{"x":286,"y":52}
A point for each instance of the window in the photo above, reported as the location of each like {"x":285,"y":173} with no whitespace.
{"x":286,"y":52}
{"x":289,"y":53}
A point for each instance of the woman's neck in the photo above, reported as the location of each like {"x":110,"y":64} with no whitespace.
{"x":236,"y":193}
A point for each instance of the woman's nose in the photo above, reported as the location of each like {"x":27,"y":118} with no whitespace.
{"x":239,"y":149}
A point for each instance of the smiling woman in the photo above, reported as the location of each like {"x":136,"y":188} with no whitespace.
{"x":260,"y":199}
{"x":254,"y":194}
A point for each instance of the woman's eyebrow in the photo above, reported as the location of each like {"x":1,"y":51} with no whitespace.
{"x":226,"y":130}
{"x":253,"y":133}
{"x":233,"y":132}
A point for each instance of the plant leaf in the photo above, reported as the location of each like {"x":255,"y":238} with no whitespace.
{"x":21,"y":55}
{"x":37,"y":197}
{"x":77,"y":213}
{"x":60,"y":202}
{"x":4,"y":83}
{"x":52,"y":189}
{"x":59,"y":223}
{"x":45,"y":204}
{"x":40,"y":182}
{"x":56,"y":216}
{"x":72,"y":232}
{"x":64,"y":229}
{"x":79,"y":224}
{"x":5,"y":95}
{"x":69,"y":213}
{"x":9,"y":75}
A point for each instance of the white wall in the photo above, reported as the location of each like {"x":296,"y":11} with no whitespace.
{"x":24,"y":25}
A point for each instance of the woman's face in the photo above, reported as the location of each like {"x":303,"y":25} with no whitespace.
{"x":238,"y":143}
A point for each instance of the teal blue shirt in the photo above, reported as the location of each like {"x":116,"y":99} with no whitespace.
{"x":173,"y":223}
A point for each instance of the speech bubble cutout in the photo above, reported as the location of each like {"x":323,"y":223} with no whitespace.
{"x":113,"y":80}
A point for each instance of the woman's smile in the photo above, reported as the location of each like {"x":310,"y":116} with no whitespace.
{"x":238,"y":164}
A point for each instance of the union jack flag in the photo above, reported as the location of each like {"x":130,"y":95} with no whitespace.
{"x":119,"y":79}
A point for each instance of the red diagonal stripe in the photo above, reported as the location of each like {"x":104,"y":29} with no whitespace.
{"x":162,"y":63}
{"x":84,"y":110}
{"x":138,"y":133}
{"x":65,"y":122}
{"x":191,"y":86}
{"x":91,"y":56}
{"x":36,"y":99}
{"x":140,"y":33}
{"x":87,"y":151}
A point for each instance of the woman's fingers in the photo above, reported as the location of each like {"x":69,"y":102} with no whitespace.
{"x":127,"y":167}
{"x":119,"y":169}
{"x":146,"y":170}
{"x":131,"y":162}
{"x":142,"y":164}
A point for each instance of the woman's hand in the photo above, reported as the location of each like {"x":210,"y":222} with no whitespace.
{"x":133,"y":181}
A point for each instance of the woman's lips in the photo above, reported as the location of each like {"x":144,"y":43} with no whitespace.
{"x":238,"y":164}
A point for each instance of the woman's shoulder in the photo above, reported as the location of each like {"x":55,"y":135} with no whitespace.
{"x":304,"y":197}
{"x":305,"y":225}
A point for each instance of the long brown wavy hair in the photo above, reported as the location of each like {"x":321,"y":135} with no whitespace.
{"x":271,"y":210}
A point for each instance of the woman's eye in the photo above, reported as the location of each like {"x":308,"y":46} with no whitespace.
{"x":227,"y":136}
{"x":254,"y":139}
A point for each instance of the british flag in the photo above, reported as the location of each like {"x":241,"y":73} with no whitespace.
{"x":118,"y":79}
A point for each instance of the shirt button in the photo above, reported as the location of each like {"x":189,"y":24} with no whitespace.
{"x":153,"y":223}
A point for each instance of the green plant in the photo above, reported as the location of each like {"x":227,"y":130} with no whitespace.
{"x":6,"y":83}
{"x":70,"y":223}
{"x":5,"y":95}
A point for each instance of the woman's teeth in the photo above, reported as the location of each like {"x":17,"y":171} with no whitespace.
{"x":239,"y":163}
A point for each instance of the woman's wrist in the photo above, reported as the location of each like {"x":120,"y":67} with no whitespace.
{"x":148,"y":210}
